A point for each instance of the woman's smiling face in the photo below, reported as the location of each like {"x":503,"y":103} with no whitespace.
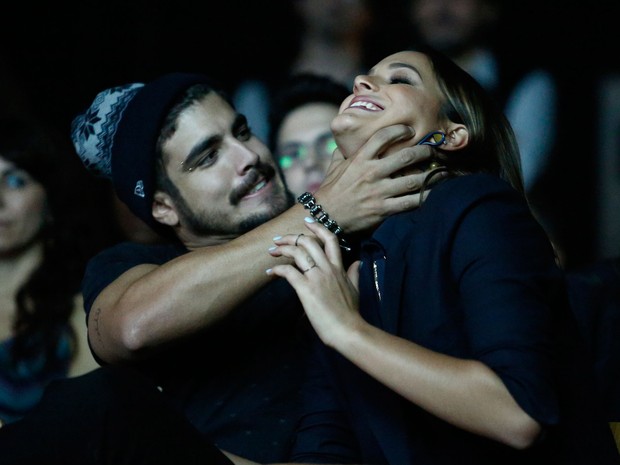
{"x":400,"y":89}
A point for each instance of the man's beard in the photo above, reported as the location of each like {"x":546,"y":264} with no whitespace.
{"x":203,"y":225}
{"x":282,"y":204}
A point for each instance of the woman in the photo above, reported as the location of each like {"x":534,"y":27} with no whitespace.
{"x":460,"y":346}
{"x":43,"y":331}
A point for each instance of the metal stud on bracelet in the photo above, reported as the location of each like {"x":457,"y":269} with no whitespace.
{"x":321,"y":216}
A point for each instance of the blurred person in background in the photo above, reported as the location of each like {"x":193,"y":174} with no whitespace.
{"x":334,"y":39}
{"x":300,"y":135}
{"x":42,"y":258}
{"x":467,"y":31}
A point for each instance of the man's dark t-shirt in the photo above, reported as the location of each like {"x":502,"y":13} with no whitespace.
{"x":237,"y":382}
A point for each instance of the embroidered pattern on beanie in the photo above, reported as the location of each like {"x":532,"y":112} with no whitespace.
{"x":93,"y":131}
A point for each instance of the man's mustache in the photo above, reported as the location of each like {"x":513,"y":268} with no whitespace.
{"x":261,"y":169}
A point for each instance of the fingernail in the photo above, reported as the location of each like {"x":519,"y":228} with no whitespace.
{"x":271,"y":249}
{"x":268,"y":271}
{"x":307,"y":219}
{"x":277,"y":238}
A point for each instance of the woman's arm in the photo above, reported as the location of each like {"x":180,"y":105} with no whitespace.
{"x":465,"y":393}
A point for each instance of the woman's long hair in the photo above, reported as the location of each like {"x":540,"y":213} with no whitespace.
{"x":492,"y":146}
{"x":45,"y":301}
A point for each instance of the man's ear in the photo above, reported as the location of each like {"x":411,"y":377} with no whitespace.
{"x":163,"y":209}
{"x":457,"y":137}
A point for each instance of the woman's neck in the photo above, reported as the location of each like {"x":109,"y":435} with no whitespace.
{"x":16,"y":268}
{"x":349,"y":144}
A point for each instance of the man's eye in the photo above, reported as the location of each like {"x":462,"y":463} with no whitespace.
{"x":207,"y":159}
{"x":244,"y":133}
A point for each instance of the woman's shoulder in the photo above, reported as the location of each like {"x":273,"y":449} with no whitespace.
{"x":451,"y":198}
{"x":463,"y":190}
{"x":485,"y":197}
{"x":475,"y":183}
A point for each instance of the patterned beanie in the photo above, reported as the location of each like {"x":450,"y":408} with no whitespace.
{"x":117,"y":135}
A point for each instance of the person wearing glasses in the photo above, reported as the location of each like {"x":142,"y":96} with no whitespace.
{"x":300,"y":135}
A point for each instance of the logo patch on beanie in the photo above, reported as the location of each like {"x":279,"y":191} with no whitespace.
{"x":139,"y":189}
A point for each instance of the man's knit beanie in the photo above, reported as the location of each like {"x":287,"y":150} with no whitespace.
{"x":116,"y":136}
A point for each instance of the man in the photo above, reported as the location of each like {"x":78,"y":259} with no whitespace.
{"x":199,"y":316}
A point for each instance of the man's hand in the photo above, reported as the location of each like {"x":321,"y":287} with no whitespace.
{"x":364,"y":189}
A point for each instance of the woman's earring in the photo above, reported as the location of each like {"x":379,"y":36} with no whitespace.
{"x":433,"y":139}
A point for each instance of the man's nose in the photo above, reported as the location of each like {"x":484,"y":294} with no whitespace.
{"x":244,"y":158}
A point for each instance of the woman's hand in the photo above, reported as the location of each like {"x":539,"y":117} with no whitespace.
{"x":329,"y":294}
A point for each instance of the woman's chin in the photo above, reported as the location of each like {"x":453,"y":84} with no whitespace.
{"x":348,"y":145}
{"x":349,"y":139}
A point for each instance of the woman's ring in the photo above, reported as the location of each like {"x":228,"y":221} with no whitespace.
{"x":308,"y":269}
{"x":297,"y":240}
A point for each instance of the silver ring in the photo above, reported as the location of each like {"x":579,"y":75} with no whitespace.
{"x":297,"y":240}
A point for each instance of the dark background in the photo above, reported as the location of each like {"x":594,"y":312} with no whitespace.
{"x":56,"y":56}
{"x":63,"y":53}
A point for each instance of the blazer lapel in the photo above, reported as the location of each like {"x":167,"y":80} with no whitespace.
{"x":392,"y":236}
{"x":384,"y":408}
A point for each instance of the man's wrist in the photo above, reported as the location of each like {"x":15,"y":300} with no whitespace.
{"x":317,"y":211}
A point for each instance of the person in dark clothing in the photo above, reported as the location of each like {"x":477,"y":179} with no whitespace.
{"x":453,"y":341}
{"x":196,"y":318}
{"x":42,"y":260}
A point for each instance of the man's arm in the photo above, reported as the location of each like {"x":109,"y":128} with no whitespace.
{"x":150,"y":306}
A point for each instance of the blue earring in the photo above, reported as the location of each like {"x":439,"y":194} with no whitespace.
{"x":433,"y":139}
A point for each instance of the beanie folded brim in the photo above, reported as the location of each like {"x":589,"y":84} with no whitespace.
{"x":134,"y":146}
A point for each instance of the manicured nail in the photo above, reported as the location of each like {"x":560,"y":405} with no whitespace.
{"x":271,"y":249}
{"x":277,"y":238}
{"x":307,"y":219}
{"x":268,"y":271}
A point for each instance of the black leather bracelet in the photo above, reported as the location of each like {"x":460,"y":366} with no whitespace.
{"x":321,"y":216}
